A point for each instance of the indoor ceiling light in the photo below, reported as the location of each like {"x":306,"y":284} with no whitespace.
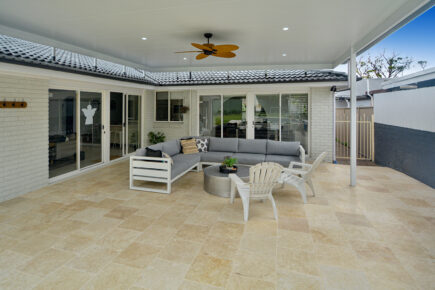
{"x":284,"y":54}
{"x":185,"y":58}
{"x":285,"y":28}
{"x":144,"y":38}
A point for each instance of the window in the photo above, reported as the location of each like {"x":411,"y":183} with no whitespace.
{"x":169,"y":106}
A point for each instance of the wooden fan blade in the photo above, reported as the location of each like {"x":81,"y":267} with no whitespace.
{"x":188,"y":51}
{"x":226,"y":47}
{"x":201,"y":56}
{"x":201,"y":47}
{"x":226,"y":54}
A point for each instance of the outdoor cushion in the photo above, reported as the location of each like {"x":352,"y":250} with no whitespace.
{"x":252,"y":146}
{"x":183,"y":162}
{"x":248,"y":158}
{"x":171,"y":147}
{"x":281,"y":159}
{"x":214,"y":156}
{"x":282,"y":148}
{"x":153,"y":153}
{"x":223,"y":144}
{"x":140,"y":152}
{"x":189,"y":146}
{"x":202,"y":144}
{"x":158,"y":146}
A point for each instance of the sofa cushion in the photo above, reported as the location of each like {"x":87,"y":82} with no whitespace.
{"x":249,"y":158}
{"x":214,"y":156}
{"x":140,"y":152}
{"x":202,"y":144}
{"x":282,"y":148}
{"x":223,"y":144}
{"x":158,"y":146}
{"x":282,"y":159}
{"x":252,"y":146}
{"x":171,"y":147}
{"x":182,"y":163}
{"x":153,"y":153}
{"x":189,"y":146}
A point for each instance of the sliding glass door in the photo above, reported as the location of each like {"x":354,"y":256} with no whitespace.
{"x":210,"y":116}
{"x":266,"y":121}
{"x":133,"y":123}
{"x":294,"y":118}
{"x":62,"y":132}
{"x":125,"y":130}
{"x":90,"y":128}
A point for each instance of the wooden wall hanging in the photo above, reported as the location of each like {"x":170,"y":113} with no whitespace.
{"x":12,"y":105}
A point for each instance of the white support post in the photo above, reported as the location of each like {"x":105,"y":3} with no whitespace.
{"x":352,"y":82}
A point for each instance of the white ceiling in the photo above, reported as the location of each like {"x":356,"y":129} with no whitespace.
{"x":319,"y":35}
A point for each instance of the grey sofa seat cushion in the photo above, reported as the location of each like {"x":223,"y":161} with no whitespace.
{"x":172,"y":147}
{"x":283,"y":148}
{"x":183,"y":162}
{"x":252,"y":146}
{"x":281,"y":159}
{"x":223,"y":144}
{"x":214,"y":156}
{"x":249,"y":158}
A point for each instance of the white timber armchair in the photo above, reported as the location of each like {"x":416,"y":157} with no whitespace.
{"x":262,"y":179}
{"x":300,"y":173}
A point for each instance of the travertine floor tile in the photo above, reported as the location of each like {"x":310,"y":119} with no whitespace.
{"x":93,"y":232}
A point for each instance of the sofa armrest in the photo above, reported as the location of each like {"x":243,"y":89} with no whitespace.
{"x":302,"y":154}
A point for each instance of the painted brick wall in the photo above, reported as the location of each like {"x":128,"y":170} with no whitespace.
{"x":23,"y":136}
{"x":322,"y":122}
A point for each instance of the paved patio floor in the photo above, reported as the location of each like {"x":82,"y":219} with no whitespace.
{"x":92,"y":232}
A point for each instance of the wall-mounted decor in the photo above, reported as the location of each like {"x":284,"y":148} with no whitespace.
{"x":12,"y":105}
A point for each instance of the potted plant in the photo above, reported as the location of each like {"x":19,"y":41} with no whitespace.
{"x":156,"y":137}
{"x":228,"y":165}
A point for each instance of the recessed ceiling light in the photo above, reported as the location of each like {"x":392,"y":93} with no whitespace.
{"x":284,"y":54}
{"x":185,"y":58}
{"x":144,"y":38}
{"x":285,"y":28}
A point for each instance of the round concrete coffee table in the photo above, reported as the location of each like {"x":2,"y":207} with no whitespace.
{"x":219,"y":184}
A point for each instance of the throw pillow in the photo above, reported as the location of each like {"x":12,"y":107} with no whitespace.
{"x":166,"y":155}
{"x":189,"y":146}
{"x":202,"y":145}
{"x":153,"y":153}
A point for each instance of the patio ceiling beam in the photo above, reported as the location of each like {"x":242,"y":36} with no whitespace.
{"x":352,"y":85}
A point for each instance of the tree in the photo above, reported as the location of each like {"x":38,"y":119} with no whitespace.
{"x":382,"y":65}
{"x":422,"y":63}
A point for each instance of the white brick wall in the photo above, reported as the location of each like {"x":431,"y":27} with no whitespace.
{"x":23,"y":136}
{"x":322,"y":122}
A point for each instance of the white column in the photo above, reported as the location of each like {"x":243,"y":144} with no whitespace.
{"x":352,"y":83}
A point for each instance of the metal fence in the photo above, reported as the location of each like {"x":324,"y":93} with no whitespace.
{"x":364,"y":133}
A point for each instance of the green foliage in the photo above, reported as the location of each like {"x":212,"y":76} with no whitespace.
{"x":384,"y":65}
{"x":229,"y":161}
{"x":156,"y":137}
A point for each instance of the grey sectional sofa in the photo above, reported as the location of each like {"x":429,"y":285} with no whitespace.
{"x":247,"y":152}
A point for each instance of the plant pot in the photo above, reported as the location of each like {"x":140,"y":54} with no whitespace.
{"x":224,"y":169}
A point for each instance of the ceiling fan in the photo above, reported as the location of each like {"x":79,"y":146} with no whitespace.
{"x":206,"y":49}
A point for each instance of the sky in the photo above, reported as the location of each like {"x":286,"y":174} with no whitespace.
{"x":416,"y":40}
